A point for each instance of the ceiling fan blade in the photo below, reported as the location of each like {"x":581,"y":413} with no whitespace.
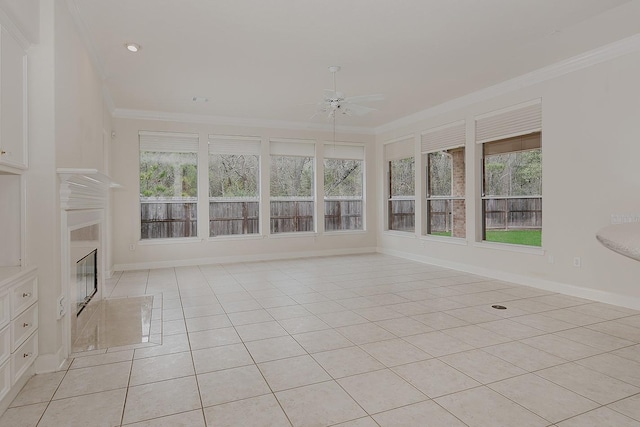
{"x":364,"y":98}
{"x":357,"y":110}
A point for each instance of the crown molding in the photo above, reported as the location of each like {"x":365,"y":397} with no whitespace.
{"x":569,"y":65}
{"x":123,"y":113}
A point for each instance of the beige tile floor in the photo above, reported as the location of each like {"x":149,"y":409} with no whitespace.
{"x":367,"y":340}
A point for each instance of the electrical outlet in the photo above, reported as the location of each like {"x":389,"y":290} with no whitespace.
{"x":132,"y":247}
{"x":551,"y":259}
{"x":577,"y":262}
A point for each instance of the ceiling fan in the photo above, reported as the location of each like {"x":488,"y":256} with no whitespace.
{"x":335,"y":102}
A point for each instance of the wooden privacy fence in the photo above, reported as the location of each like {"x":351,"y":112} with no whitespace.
{"x":168,"y":218}
{"x":440,"y":215}
{"x":508,"y":213}
{"x":228,"y":217}
{"x":342,"y":214}
{"x":231,"y":216}
{"x":402,"y":214}
{"x":292,"y":215}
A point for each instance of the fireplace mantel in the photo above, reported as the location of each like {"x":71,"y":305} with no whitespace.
{"x":83,"y":188}
{"x":84,"y":202}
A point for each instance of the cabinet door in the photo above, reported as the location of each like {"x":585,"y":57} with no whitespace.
{"x":11,"y":214}
{"x":12,"y":102}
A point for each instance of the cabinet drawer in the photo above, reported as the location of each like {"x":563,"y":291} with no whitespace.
{"x":5,"y":379}
{"x":24,"y":357}
{"x":23,"y":326}
{"x":5,"y":309}
{"x":23,"y":295}
{"x":5,"y":344}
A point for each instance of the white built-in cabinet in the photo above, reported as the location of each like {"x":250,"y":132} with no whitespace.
{"x":18,"y":327}
{"x":18,"y":283}
{"x":13,"y":148}
{"x":13,"y":97}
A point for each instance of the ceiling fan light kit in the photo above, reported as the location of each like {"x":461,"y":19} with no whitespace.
{"x":335,"y":102}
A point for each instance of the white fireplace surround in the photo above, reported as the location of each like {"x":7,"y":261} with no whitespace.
{"x":84,"y":201}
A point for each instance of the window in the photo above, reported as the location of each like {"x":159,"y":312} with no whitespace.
{"x":401,"y":185}
{"x":292,"y":193}
{"x":512,"y":180}
{"x":343,"y":187}
{"x":443,"y":150}
{"x":168,"y":185}
{"x":234,"y":185}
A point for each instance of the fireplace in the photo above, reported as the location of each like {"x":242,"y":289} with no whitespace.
{"x":84,"y":204}
{"x":86,"y":280}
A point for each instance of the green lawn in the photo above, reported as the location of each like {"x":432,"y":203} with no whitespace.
{"x":441,"y":233}
{"x":518,"y":237}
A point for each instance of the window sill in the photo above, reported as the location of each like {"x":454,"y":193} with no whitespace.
{"x":169,"y":241}
{"x":344,"y":232}
{"x":394,"y":233}
{"x":292,"y":234}
{"x":236,"y":237}
{"x":533,"y":250}
{"x":450,"y":240}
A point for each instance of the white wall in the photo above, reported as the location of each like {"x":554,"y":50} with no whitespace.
{"x":66,"y":122}
{"x":591,"y":169}
{"x":79,"y":103}
{"x":126,"y":213}
{"x":25,"y":15}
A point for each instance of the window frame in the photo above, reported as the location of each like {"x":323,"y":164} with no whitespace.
{"x":518,"y":144}
{"x":294,"y":149}
{"x":345,"y":152}
{"x":451,"y":197}
{"x":169,"y":142}
{"x":391,"y":198}
{"x":231,"y":145}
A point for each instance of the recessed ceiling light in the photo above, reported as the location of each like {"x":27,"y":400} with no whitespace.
{"x":132,"y":47}
{"x":200,"y":99}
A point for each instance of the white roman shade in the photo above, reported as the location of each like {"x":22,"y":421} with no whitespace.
{"x":344,"y":151}
{"x":401,"y":149}
{"x":169,"y":142}
{"x":518,"y":120}
{"x":452,"y":135}
{"x":292,"y":147}
{"x":239,"y":145}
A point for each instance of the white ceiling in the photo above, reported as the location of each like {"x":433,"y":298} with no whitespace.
{"x":265,"y":59}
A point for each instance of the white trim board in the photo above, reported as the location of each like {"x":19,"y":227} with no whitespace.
{"x":124,"y":113}
{"x":547,"y":285}
{"x":240,"y":258}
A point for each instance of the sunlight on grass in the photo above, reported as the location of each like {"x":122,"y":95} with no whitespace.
{"x":441,"y":233}
{"x":516,"y":237}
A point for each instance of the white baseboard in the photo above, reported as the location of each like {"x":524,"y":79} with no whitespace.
{"x":547,"y":285}
{"x":241,"y":258}
{"x":49,"y":362}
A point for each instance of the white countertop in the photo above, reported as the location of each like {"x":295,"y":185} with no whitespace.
{"x":622,"y":238}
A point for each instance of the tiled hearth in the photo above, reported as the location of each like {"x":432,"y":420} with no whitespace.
{"x":357,"y":341}
{"x":118,"y":322}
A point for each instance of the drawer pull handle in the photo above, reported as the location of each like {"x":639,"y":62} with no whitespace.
{"x":26,"y":295}
{"x":26,"y":325}
{"x":25,"y":355}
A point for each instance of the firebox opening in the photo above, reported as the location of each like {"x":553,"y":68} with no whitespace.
{"x":86,"y":279}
